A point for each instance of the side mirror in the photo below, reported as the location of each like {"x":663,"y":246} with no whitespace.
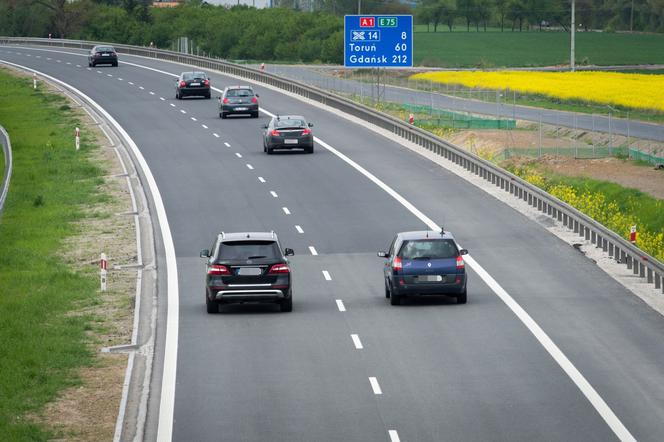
{"x":264,"y":126}
{"x":257,"y":96}
{"x":382,"y":254}
{"x":289,"y":252}
{"x":311,"y":124}
{"x":205,"y":253}
{"x":463,"y":252}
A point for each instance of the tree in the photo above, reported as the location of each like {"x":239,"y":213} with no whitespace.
{"x":501,"y":9}
{"x":483,"y":14}
{"x":517,"y":12}
{"x":468,"y":10}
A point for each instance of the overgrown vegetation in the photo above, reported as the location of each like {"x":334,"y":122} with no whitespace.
{"x":42,"y":338}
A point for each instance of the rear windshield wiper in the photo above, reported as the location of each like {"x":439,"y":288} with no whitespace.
{"x":424,"y":258}
{"x":256,"y":257}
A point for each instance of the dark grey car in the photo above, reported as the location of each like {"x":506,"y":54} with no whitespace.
{"x":238,"y":100}
{"x":288,"y":132}
{"x":102,"y":54}
{"x":190,"y":84}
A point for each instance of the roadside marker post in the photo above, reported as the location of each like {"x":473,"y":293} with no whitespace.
{"x":632,"y":234}
{"x":103,"y":266}
{"x":34,"y":81}
{"x":411,"y":119}
{"x":77,"y":135}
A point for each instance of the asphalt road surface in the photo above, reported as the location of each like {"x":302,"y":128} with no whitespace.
{"x":505,"y":109}
{"x":345,"y":365}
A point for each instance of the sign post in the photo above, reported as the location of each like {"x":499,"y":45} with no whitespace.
{"x":378,"y":41}
{"x":103,"y":266}
{"x":77,"y":136}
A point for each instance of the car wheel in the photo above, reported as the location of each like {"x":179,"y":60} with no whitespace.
{"x":269,"y":151}
{"x":395,"y":299}
{"x":264,"y":147}
{"x":287,"y":304}
{"x":387,"y":290}
{"x":310,"y":149}
{"x":212,"y":306}
{"x":208,"y":96}
{"x":223,"y":115}
{"x":177,"y":95}
{"x":93,"y":64}
{"x":115,"y":64}
{"x":254,"y":115}
{"x":89,"y":64}
{"x":462,"y":298}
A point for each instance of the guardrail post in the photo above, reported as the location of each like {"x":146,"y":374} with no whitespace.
{"x":576,"y":226}
{"x":611,"y":248}
{"x":642,"y":269}
{"x":649,"y":274}
{"x":658,"y":280}
{"x":605,"y":244}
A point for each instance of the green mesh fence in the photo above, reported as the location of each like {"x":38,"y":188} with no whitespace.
{"x":644,"y":156}
{"x":569,"y":151}
{"x":456,"y":120}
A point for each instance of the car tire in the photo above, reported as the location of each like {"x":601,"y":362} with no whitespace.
{"x":89,"y":64}
{"x":310,"y":149}
{"x":462,"y":298}
{"x":222,"y":115}
{"x":212,"y":306}
{"x":287,"y":304}
{"x":395,"y":299}
{"x":387,"y":290}
{"x":269,"y":150}
{"x":208,"y":96}
{"x":115,"y":64}
{"x":254,"y":115}
{"x":93,"y":64}
{"x":177,"y":95}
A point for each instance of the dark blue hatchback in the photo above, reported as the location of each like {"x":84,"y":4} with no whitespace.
{"x":424,"y":263}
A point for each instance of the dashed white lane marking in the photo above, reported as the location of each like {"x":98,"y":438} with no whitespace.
{"x":183,"y":111}
{"x":120,"y":79}
{"x":226,"y":144}
{"x":141,"y":88}
{"x":28,"y":55}
{"x":299,"y":229}
{"x":151,"y":93}
{"x":286,"y":211}
{"x":89,"y":69}
{"x":48,"y":58}
{"x":274,"y":194}
{"x":357,"y":342}
{"x":172,"y":105}
{"x":394,"y":436}
{"x":375,"y":386}
{"x":326,"y":275}
{"x":313,"y":251}
{"x":193,"y":119}
{"x":99,"y":72}
{"x":261,"y":179}
{"x":78,"y":65}
{"x":67,"y":62}
{"x":238,"y":154}
{"x":109,"y":75}
{"x":204,"y":126}
{"x":216,"y":134}
{"x":250,"y":167}
{"x":340,"y":305}
{"x":55,"y":60}
{"x":38,"y":56}
{"x":130,"y":82}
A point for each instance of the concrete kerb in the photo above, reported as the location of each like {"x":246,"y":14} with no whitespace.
{"x":130,"y":422}
{"x":7,"y":173}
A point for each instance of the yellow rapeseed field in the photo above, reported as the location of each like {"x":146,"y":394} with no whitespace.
{"x":638,"y":91}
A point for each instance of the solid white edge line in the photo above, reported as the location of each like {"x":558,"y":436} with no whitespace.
{"x":394,"y":436}
{"x":584,"y":386}
{"x":340,"y":305}
{"x":167,"y":400}
{"x":357,"y":342}
{"x":299,"y":229}
{"x":375,"y":386}
{"x":326,"y":275}
{"x":313,"y":251}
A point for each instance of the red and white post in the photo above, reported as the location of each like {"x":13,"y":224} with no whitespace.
{"x":632,"y":234}
{"x":263,"y":67}
{"x":77,"y":135}
{"x":34,"y":81}
{"x":411,"y":119}
{"x":103,"y":266}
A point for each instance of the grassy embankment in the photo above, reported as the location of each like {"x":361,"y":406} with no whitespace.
{"x":42,"y":330}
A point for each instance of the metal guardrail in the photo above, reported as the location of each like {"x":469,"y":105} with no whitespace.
{"x":617,"y":247}
{"x":7,"y":175}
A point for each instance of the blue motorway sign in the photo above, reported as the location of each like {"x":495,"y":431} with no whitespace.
{"x":378,"y":41}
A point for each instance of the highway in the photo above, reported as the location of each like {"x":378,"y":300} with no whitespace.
{"x":429,"y":370}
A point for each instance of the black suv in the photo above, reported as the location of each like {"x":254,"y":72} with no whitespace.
{"x":238,"y":100}
{"x":247,"y":267}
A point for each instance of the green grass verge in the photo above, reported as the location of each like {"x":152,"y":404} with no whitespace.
{"x":505,"y":49}
{"x":42,"y":332}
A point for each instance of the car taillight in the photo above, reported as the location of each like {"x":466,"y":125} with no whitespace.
{"x":278,"y":268}
{"x":306,"y":132}
{"x":459,"y":262}
{"x":254,"y":100}
{"x":97,"y":53}
{"x":396,"y":264}
{"x":225,"y":100}
{"x":206,"y":82}
{"x":275,"y":133}
{"x":218,"y":270}
{"x":182,"y":83}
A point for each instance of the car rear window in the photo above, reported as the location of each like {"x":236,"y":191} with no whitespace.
{"x":428,"y":248}
{"x":239,"y":93}
{"x":105,"y":49}
{"x":243,"y":250}
{"x":290,"y":123}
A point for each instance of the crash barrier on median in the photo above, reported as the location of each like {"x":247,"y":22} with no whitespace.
{"x":7,"y":173}
{"x":617,"y":247}
{"x":457,"y":120}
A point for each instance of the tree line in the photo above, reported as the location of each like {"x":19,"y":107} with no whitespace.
{"x":301,"y":30}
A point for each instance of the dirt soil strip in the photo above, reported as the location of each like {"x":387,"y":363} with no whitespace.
{"x":88,"y":412}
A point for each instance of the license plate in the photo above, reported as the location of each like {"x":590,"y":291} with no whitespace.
{"x":105,"y":55}
{"x":290,"y":141}
{"x":195,"y":84}
{"x":430,"y":278}
{"x":249,"y":271}
{"x":240,"y":108}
